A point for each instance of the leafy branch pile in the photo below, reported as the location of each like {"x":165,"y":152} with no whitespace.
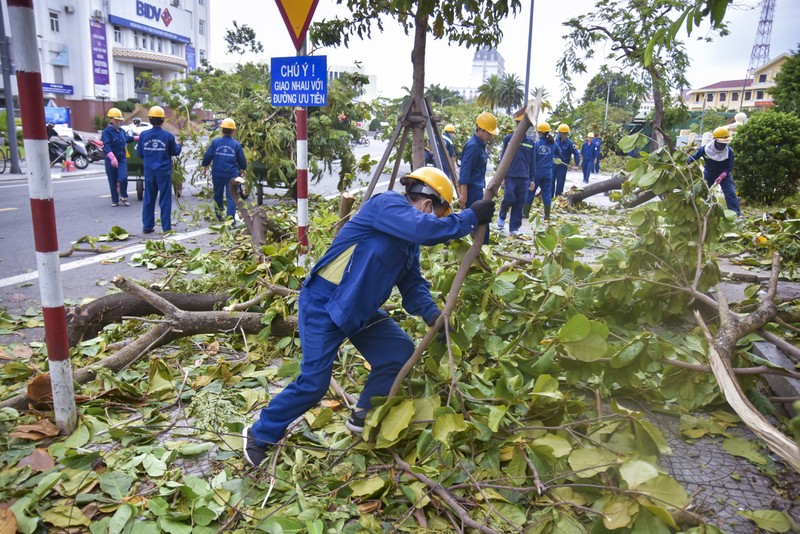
{"x":532,"y":417}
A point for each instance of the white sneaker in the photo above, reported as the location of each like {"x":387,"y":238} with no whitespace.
{"x":516,"y":232}
{"x":501,"y":224}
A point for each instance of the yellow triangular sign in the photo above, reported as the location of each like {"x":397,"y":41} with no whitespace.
{"x":297,"y":15}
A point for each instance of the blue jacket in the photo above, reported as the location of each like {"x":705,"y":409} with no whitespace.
{"x":114,"y":140}
{"x":545,"y":152}
{"x":430,"y":160}
{"x":522,"y":166}
{"x":156,"y":148}
{"x":567,"y":148}
{"x":713,"y":168}
{"x":387,"y":232}
{"x":227,"y":155}
{"x":473,"y":164}
{"x":588,"y":153}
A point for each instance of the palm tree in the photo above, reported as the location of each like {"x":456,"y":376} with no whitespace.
{"x":511,"y":92}
{"x":539,"y":96}
{"x":489,"y":92}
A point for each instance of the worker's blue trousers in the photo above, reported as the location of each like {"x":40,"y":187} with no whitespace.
{"x":729,"y":190}
{"x":516,"y":189}
{"x":382,"y":343}
{"x":587,"y":170}
{"x":559,"y":179}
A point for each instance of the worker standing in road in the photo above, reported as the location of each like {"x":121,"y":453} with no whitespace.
{"x":718,"y":170}
{"x":449,"y":151}
{"x":472,"y":176}
{"x":598,"y":144}
{"x":588,"y":157}
{"x":377,"y":250}
{"x":226,"y":157}
{"x":115,"y":141}
{"x":515,"y":186}
{"x":546,"y":151}
{"x":156,"y":148}
{"x":568,"y":149}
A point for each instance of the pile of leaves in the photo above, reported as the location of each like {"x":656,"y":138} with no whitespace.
{"x":532,"y":417}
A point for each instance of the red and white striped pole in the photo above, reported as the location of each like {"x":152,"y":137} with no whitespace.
{"x":301,"y":116}
{"x":43,"y":214}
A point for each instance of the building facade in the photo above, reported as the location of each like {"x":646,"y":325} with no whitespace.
{"x":92,"y":51}
{"x":485,"y":63}
{"x":739,"y":95}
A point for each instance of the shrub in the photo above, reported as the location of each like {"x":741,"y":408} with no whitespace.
{"x":767,"y":149}
{"x":124,"y":106}
{"x":99,"y":122}
{"x":375,"y":125}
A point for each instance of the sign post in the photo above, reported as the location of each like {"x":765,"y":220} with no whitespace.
{"x":306,"y":91}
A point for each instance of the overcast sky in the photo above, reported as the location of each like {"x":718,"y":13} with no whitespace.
{"x":388,"y":55}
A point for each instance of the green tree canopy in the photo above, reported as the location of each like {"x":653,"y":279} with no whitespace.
{"x":489,"y":92}
{"x":512,"y":93}
{"x":786,"y":92}
{"x":621,"y":89}
{"x":442,"y":95}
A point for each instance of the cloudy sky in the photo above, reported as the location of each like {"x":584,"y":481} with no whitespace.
{"x":388,"y":55}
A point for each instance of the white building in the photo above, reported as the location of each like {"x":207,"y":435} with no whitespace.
{"x":92,"y":51}
{"x":485,"y":63}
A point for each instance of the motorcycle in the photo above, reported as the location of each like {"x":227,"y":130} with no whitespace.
{"x":62,"y":149}
{"x":94,"y":150}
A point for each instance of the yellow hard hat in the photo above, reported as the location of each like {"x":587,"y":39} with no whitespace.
{"x":487,"y":121}
{"x":449,"y":128}
{"x":438,"y":184}
{"x":543,"y":127}
{"x":156,"y":112}
{"x":563,"y":128}
{"x":721,"y":134}
{"x":591,"y":134}
{"x":228,"y":123}
{"x":114,"y":113}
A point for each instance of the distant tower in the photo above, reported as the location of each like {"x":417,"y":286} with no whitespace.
{"x":760,"y":53}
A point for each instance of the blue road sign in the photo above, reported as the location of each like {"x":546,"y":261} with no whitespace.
{"x":299,"y":81}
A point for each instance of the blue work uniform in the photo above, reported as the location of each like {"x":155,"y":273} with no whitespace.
{"x":115,"y":140}
{"x":228,"y":160}
{"x":544,"y":152}
{"x":473,"y":172}
{"x":568,"y":149}
{"x":518,"y":179}
{"x":449,"y":147}
{"x":711,"y":172}
{"x":383,"y":239}
{"x":156,"y":147}
{"x":597,"y":143}
{"x":588,"y":157}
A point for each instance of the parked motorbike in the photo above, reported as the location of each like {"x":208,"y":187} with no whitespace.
{"x":74,"y":149}
{"x":94,"y":150}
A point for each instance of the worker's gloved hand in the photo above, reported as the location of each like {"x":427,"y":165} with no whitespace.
{"x":441,"y":335}
{"x":136,"y":138}
{"x":483,"y":209}
{"x":720,"y":178}
{"x":113,"y":159}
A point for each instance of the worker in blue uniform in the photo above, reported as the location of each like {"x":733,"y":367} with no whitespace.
{"x":568,"y":149}
{"x":156,"y":148}
{"x":545,"y":151}
{"x":588,"y":157}
{"x":377,"y":250}
{"x":472,"y":176}
{"x":718,"y":170}
{"x":226,"y":157}
{"x":598,"y":143}
{"x":115,"y":141}
{"x":449,"y":150}
{"x":518,"y":179}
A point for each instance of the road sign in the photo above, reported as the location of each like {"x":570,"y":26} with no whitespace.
{"x":299,"y":81}
{"x":297,"y":15}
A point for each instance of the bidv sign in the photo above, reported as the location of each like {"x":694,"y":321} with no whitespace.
{"x":300,"y":81}
{"x":151,"y":12}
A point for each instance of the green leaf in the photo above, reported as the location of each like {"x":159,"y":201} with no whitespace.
{"x":744,"y":449}
{"x":560,"y":446}
{"x":367,"y":487}
{"x":25,"y":523}
{"x":496,"y":414}
{"x":116,"y":484}
{"x":173,"y":526}
{"x":588,"y":462}
{"x":158,"y":506}
{"x":446,"y":425}
{"x":119,"y":521}
{"x":619,"y":512}
{"x":591,"y":347}
{"x":194,"y":449}
{"x":576,"y":329}
{"x":770,"y":520}
{"x":665,"y":491}
{"x":203,"y":516}
{"x":64,"y":516}
{"x":397,"y":420}
{"x":153,"y":466}
{"x":635,"y":472}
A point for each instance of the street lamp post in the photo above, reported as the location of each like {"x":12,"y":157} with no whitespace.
{"x":608,"y":95}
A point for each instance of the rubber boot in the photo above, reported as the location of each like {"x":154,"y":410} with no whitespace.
{"x":547,"y":213}
{"x":526,"y":211}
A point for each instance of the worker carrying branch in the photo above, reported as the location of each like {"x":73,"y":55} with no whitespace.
{"x":377,"y":250}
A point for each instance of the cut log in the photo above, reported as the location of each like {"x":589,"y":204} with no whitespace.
{"x":576,"y":196}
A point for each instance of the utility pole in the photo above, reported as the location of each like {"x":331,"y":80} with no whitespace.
{"x":528,"y":64}
{"x":5,"y":56}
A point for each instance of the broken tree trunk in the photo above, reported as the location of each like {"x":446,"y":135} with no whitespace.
{"x":260,"y":227}
{"x":177,"y":323}
{"x":721,"y":347}
{"x":346,"y":202}
{"x":576,"y":196}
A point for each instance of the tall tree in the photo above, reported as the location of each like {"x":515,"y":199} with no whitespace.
{"x":786,"y":92}
{"x":489,"y":92}
{"x":511,"y":92}
{"x":462,"y":22}
{"x":621,"y":90}
{"x":629,"y":28}
{"x":441,"y":95}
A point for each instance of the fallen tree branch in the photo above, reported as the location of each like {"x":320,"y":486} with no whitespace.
{"x":576,"y":196}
